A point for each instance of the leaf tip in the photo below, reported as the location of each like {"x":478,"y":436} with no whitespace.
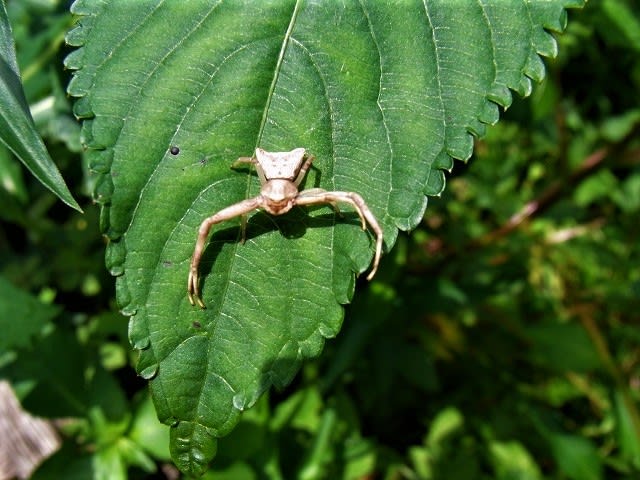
{"x":192,"y":447}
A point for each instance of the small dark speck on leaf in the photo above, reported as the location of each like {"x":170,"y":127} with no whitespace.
{"x":167,"y":263}
{"x":174,"y":150}
{"x":197,"y":325}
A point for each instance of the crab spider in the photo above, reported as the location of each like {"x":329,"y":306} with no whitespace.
{"x":280,"y":175}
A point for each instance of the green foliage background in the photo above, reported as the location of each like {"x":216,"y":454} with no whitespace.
{"x":500,"y":340}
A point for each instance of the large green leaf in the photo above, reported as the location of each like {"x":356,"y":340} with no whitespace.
{"x":17,"y":130}
{"x":385,"y":94}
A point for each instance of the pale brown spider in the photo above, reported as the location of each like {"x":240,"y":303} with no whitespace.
{"x":280,"y":175}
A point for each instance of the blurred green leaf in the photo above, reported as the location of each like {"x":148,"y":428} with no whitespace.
{"x":17,"y":129}
{"x":444,"y":424}
{"x":595,"y":188}
{"x":147,"y":431}
{"x":301,"y":410}
{"x":11,"y":176}
{"x":449,"y":452}
{"x":68,"y":390}
{"x":627,"y":195}
{"x":563,"y":347}
{"x":135,"y":455}
{"x":623,"y":22}
{"x":511,"y":461}
{"x":416,"y":366}
{"x":237,"y":471}
{"x":68,"y":463}
{"x":246,"y":441}
{"x":576,"y":456}
{"x":627,"y":427}
{"x":614,"y":129}
{"x":360,"y":458}
{"x":319,"y":456}
{"x":22,"y":317}
{"x":108,"y":464}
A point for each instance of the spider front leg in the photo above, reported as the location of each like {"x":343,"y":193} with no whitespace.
{"x":318,"y":196}
{"x":242,"y":160}
{"x":304,"y":169}
{"x":311,"y":192}
{"x":236,"y":164}
{"x":237,"y":209}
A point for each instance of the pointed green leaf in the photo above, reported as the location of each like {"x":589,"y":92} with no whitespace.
{"x":384,"y":94}
{"x":17,"y":130}
{"x":627,"y":426}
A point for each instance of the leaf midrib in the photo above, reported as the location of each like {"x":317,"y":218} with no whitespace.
{"x":285,"y":43}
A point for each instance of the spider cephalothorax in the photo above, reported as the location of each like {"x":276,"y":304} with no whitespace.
{"x":280,"y":175}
